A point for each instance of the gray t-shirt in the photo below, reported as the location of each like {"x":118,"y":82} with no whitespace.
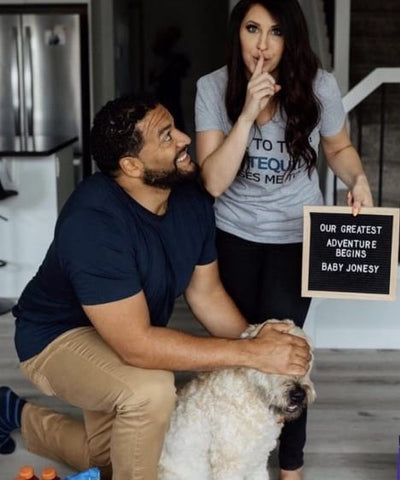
{"x":261,"y":205}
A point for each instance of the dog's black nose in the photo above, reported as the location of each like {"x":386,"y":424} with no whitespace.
{"x":297,"y":395}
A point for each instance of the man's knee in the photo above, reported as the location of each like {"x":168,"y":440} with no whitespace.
{"x":155,"y":395}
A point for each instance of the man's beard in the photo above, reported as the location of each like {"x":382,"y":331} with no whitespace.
{"x":168,"y":179}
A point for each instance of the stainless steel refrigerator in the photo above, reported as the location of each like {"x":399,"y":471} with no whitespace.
{"x":44,"y":74}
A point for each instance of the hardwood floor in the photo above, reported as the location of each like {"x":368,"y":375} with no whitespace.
{"x":354,"y":424}
{"x":353,"y":428}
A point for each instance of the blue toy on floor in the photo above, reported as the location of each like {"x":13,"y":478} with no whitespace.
{"x":398,"y":462}
{"x":91,"y":474}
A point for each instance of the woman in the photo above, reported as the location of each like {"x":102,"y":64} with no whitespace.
{"x":259,"y":123}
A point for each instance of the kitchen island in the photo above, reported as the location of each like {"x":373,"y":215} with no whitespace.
{"x":40,"y":170}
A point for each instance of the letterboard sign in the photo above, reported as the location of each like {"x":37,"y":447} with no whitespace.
{"x":350,"y":257}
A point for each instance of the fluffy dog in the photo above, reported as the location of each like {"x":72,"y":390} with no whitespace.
{"x":226,"y":422}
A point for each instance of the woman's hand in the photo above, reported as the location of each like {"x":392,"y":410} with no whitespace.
{"x":360,"y":195}
{"x":260,"y":89}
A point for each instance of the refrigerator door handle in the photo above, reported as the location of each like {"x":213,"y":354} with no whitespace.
{"x":17,"y":86}
{"x":29,"y":81}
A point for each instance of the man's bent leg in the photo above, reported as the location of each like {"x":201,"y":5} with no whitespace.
{"x":139,"y":428}
{"x":80,"y":368}
{"x":53,"y":435}
{"x":56,"y":436}
{"x":98,"y":427}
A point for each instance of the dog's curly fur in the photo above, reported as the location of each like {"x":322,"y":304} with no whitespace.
{"x":226,"y":422}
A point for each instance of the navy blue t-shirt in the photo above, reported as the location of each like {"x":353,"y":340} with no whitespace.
{"x":108,"y":247}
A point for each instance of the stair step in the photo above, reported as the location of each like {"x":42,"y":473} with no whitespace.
{"x":375,"y":5}
{"x":390,"y":182}
{"x":391,"y":155}
{"x":371,"y":141}
{"x":375,"y":52}
{"x":371,"y":115}
{"x":388,"y":200}
{"x":380,"y":24}
{"x":373,"y":102}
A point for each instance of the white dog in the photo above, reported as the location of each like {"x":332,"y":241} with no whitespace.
{"x":226,"y":422}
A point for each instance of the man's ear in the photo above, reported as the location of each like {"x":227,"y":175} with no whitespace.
{"x":131,"y":166}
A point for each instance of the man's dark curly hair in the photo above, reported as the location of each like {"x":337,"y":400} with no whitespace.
{"x":114,"y":133}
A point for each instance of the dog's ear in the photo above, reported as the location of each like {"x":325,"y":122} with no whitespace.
{"x":285,"y":321}
{"x":253,"y":330}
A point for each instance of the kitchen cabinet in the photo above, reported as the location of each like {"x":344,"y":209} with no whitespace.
{"x":42,"y":173}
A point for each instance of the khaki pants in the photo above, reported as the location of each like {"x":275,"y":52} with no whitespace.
{"x":126,"y":410}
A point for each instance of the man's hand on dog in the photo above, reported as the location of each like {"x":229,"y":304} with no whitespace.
{"x":282,"y":353}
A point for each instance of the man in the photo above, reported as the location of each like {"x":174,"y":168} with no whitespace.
{"x":90,"y":324}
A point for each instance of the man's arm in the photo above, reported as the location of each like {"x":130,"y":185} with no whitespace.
{"x":125,"y":326}
{"x":211,"y":305}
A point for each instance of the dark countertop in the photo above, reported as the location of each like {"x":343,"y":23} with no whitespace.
{"x":36,"y":146}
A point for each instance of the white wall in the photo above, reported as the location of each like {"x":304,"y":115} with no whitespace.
{"x":355,"y":323}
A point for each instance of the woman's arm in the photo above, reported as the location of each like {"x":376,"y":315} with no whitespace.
{"x":220,"y":157}
{"x":345,"y":163}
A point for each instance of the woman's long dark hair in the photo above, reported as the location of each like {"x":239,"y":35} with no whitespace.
{"x":297,"y":71}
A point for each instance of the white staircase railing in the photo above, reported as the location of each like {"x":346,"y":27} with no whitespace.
{"x":368,"y":84}
{"x":353,"y":98}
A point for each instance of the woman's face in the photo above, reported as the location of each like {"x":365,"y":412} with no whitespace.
{"x":260,"y":35}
